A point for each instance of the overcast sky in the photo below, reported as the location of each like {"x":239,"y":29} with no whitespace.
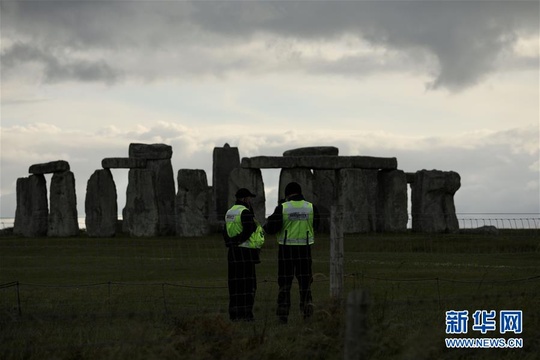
{"x":447,"y":85}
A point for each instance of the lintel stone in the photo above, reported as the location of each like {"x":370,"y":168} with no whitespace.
{"x":123,"y":163}
{"x":319,"y":162}
{"x":150,"y":151}
{"x":49,"y":168}
{"x":313,"y":151}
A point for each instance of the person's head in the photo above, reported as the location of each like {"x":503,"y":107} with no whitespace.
{"x":292,"y":188}
{"x":244,"y":195}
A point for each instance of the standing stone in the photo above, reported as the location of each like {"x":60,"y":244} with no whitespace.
{"x":252,"y":180}
{"x":100,"y":204}
{"x":392,"y":201}
{"x":325,"y":195}
{"x":32,"y":213}
{"x":225,"y":159}
{"x":358,"y":196}
{"x":158,"y":159}
{"x":304,"y":177}
{"x":141,"y":214}
{"x":63,"y":219}
{"x":433,"y":208}
{"x":192,"y":203}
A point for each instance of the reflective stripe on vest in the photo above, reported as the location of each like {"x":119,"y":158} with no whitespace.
{"x":297,"y":223}
{"x":233,"y":224}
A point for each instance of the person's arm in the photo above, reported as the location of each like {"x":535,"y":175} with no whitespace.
{"x":275,"y":222}
{"x":316,"y":218}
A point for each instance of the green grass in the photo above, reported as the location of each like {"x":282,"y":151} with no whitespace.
{"x":166,"y":298}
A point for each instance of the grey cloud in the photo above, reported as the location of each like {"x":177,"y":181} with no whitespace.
{"x":58,"y":68}
{"x":465,"y":37}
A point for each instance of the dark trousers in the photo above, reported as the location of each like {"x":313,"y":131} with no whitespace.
{"x":294,"y":260}
{"x":242,"y":282}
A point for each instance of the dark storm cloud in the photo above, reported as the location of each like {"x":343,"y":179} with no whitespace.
{"x":464,"y":37}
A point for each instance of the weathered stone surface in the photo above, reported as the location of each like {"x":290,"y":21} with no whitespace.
{"x":488,"y":230}
{"x":225,"y":159}
{"x":392,"y":201}
{"x":302,"y":176}
{"x":150,"y":151}
{"x":358,"y":196}
{"x":313,"y":151}
{"x":101,"y":204}
{"x":63,"y":219}
{"x":165,"y":194}
{"x":410,"y":177}
{"x":325,"y":195}
{"x":141,"y":216}
{"x":49,"y":168}
{"x":433,"y":207}
{"x":252,"y":180}
{"x":32,"y":213}
{"x":123,"y":163}
{"x":319,"y":162}
{"x":192,"y":203}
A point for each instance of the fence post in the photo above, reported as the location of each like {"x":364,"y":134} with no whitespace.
{"x":356,"y":341}
{"x":336,"y":252}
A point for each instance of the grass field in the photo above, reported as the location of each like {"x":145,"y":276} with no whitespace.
{"x":166,"y":298}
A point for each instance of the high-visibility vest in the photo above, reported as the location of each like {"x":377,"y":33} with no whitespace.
{"x":297,"y":224}
{"x":233,"y":223}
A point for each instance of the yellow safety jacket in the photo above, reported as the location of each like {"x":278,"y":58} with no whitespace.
{"x":233,"y":223}
{"x":297,"y":223}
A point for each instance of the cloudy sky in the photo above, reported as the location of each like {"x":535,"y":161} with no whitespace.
{"x":438,"y":84}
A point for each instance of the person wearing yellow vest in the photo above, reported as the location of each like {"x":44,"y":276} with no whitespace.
{"x":294,"y":221}
{"x":244,"y":237}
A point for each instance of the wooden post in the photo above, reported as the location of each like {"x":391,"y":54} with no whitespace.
{"x":356,"y":342}
{"x":336,"y":252}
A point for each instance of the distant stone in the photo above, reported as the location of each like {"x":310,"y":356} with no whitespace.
{"x":482,"y":230}
{"x":304,"y":177}
{"x":123,"y":163}
{"x":358,"y":196}
{"x":150,"y":151}
{"x":313,"y":151}
{"x":49,"y":168}
{"x":63,"y":220}
{"x":392,"y":213}
{"x":410,"y":177}
{"x":324,"y":195}
{"x":225,"y":159}
{"x":164,"y":190}
{"x":252,"y":180}
{"x":192,"y":203}
{"x":140,"y":215}
{"x":101,"y":204}
{"x":319,"y":162}
{"x":32,"y":213}
{"x":433,"y":208}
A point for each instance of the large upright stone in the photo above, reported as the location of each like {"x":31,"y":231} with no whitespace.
{"x":433,"y":208}
{"x":100,"y":204}
{"x":141,"y":214}
{"x":358,"y":196}
{"x":32,"y":213}
{"x":252,"y":180}
{"x":325,"y":195}
{"x":192,"y":203}
{"x":225,"y":159}
{"x":392,"y":201}
{"x":63,"y":219}
{"x":158,"y":160}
